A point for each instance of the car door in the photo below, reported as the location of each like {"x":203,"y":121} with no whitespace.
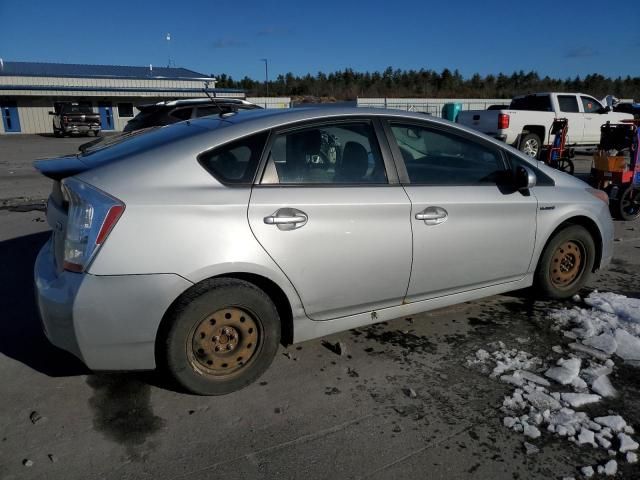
{"x":593,"y":119}
{"x":568,"y":108}
{"x":470,"y":228}
{"x":329,"y":210}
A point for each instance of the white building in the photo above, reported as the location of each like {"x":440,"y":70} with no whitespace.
{"x":29,"y":91}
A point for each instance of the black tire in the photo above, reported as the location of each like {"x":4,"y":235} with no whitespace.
{"x":227,"y":314}
{"x":56,"y":132}
{"x":96,"y":133}
{"x":527,"y":143}
{"x":627,"y":206}
{"x":566,"y":263}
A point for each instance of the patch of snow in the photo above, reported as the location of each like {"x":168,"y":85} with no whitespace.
{"x":614,"y":422}
{"x":580,"y":399}
{"x":611,"y":468}
{"x":578,"y":347}
{"x":602,"y":386}
{"x":587,"y":471}
{"x":604,"y":342}
{"x":632,"y":457}
{"x":566,"y":371}
{"x":531,"y":431}
{"x":628,"y":345}
{"x":627,"y":443}
{"x":587,"y":437}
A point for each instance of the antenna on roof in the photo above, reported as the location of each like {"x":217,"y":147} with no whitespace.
{"x":168,"y":38}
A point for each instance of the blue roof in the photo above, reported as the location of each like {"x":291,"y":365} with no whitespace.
{"x":80,"y":70}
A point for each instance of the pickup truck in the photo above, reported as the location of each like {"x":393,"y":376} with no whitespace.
{"x":526,"y":123}
{"x":69,"y":118}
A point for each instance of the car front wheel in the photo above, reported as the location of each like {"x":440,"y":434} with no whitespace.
{"x":222,"y":335}
{"x":566,"y":263}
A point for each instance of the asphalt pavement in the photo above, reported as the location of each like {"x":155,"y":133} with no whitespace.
{"x":400,"y":402}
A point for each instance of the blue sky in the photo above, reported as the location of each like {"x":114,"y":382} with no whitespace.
{"x":560,"y":39}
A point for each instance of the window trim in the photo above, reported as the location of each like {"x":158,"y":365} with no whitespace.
{"x":385,"y":152}
{"x":403,"y":174}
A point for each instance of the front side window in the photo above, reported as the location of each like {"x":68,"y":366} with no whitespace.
{"x":568,"y":103}
{"x":341,"y":153}
{"x":438,"y":157}
{"x":590,"y":105}
{"x":236,"y":162}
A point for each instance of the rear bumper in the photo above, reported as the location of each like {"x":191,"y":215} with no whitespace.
{"x":80,"y":128}
{"x":109,"y":322}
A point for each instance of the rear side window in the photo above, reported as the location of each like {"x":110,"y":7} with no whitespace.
{"x":235,"y":163}
{"x":538,"y":103}
{"x":568,"y":103}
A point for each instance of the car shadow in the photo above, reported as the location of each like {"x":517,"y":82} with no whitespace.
{"x":21,"y":336}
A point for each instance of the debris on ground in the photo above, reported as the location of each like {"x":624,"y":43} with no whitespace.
{"x":410,"y":392}
{"x":35,"y":417}
{"x":27,"y":462}
{"x":530,"y":448}
{"x":547,"y":399}
{"x":339,"y":348}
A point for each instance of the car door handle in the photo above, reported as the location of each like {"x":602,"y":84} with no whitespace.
{"x":433,"y":215}
{"x":287,"y":219}
{"x":273,"y":220}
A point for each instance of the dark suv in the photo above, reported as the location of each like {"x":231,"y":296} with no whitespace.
{"x":167,"y":112}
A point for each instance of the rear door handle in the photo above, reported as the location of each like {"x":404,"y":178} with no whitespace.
{"x":287,"y":219}
{"x":433,"y":215}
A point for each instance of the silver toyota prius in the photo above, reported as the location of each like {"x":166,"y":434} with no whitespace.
{"x":197,"y":248}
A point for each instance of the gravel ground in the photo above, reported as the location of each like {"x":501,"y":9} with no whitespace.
{"x":401,"y":402}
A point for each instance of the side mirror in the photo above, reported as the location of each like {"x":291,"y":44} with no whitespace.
{"x":606,"y":109}
{"x":52,"y":113}
{"x":524,"y":179}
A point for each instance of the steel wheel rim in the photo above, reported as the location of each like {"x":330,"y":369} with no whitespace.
{"x":567,"y":264}
{"x":530,"y":147}
{"x":224,"y":343}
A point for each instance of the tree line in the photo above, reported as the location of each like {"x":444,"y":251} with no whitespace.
{"x":348,"y":84}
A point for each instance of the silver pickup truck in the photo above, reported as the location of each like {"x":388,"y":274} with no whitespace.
{"x":526,"y":123}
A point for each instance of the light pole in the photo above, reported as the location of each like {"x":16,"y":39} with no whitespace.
{"x":266,"y":75}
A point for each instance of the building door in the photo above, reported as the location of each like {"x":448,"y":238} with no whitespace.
{"x":10,"y":118}
{"x":106,"y":115}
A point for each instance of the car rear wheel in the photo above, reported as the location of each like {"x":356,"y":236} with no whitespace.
{"x":566,"y":263}
{"x":223,"y":334}
{"x":531,"y":145}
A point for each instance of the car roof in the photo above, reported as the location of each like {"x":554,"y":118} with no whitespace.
{"x":259,"y":119}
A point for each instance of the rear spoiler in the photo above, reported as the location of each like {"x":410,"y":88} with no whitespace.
{"x":61,"y":167}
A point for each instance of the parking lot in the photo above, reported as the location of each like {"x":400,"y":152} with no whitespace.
{"x":400,"y":401}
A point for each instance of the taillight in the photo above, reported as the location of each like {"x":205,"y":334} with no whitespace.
{"x":503,"y":121}
{"x":66,"y":119}
{"x":92,"y":216}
